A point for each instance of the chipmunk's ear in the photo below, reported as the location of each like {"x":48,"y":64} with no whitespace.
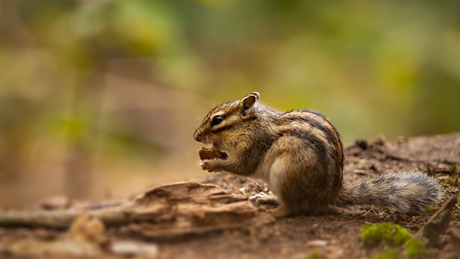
{"x":248,"y":102}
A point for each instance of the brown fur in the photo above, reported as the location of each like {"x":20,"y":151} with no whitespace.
{"x":299,"y":153}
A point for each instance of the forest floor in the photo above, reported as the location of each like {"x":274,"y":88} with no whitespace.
{"x":255,"y":234}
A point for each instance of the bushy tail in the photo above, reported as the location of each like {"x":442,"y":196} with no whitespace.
{"x":410,"y":193}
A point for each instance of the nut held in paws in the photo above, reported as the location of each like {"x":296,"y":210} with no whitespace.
{"x":210,"y":153}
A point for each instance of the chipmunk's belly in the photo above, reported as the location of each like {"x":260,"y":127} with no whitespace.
{"x":273,"y":173}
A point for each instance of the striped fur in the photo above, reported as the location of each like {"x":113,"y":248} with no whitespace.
{"x":299,"y":154}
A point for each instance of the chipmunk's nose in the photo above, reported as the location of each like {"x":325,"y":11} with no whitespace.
{"x":196,"y":136}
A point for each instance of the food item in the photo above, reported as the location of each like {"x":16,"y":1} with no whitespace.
{"x":210,"y":153}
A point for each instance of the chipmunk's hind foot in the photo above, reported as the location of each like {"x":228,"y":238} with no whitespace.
{"x":264,"y":198}
{"x":279,"y":212}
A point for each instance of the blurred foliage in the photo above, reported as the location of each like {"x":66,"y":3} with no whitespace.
{"x":128,"y":79}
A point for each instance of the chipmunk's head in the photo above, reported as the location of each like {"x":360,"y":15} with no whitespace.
{"x":224,"y":120}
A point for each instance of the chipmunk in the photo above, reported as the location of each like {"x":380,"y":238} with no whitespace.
{"x":300,"y":155}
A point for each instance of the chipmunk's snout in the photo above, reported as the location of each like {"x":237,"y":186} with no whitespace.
{"x":196,"y":136}
{"x":201,"y":136}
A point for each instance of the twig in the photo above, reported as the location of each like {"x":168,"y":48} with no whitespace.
{"x":60,"y":219}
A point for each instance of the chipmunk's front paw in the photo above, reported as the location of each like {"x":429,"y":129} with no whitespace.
{"x":209,"y":165}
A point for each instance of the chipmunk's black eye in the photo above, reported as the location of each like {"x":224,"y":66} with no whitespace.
{"x":217,"y":119}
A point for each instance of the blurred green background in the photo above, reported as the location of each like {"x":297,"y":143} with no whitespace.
{"x":99,"y":98}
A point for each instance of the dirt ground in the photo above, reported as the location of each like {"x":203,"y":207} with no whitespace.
{"x":332,"y":236}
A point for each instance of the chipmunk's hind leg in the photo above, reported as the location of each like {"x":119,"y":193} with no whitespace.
{"x":309,"y":185}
